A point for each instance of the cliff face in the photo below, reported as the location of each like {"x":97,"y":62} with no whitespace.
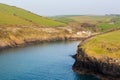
{"x":15,"y":35}
{"x":105,"y":68}
{"x":15,"y":41}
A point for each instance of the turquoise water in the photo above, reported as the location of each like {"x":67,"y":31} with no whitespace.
{"x":47,"y":61}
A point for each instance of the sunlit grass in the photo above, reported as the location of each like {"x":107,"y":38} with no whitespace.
{"x":91,"y":19}
{"x":13,"y":15}
{"x":104,"y":45}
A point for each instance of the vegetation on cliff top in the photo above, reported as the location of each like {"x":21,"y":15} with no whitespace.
{"x":11,"y":15}
{"x":103,"y":45}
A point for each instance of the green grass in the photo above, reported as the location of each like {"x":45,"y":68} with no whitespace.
{"x":6,"y":19}
{"x":103,"y":23}
{"x":103,"y":45}
{"x":91,"y":19}
{"x":107,"y":26}
{"x":10,"y":15}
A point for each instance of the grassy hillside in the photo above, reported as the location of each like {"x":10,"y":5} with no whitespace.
{"x":103,"y":45}
{"x":91,"y":19}
{"x":103,"y":23}
{"x":114,"y":23}
{"x":18,"y":26}
{"x":10,"y":15}
{"x":100,"y":23}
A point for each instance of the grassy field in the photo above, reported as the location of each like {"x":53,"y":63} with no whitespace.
{"x":91,"y":19}
{"x":103,"y":45}
{"x":102,"y":23}
{"x":11,"y":15}
{"x":107,"y":26}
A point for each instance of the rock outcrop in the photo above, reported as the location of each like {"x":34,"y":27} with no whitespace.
{"x":105,"y":68}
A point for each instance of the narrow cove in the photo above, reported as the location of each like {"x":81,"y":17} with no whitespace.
{"x":46,"y":61}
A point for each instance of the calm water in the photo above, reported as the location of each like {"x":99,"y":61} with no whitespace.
{"x":48,"y":61}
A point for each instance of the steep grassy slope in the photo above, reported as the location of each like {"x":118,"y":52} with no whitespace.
{"x":6,"y":19}
{"x":19,"y":27}
{"x":10,"y":15}
{"x":103,"y":45}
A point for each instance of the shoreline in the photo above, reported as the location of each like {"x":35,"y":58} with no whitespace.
{"x":103,"y":69}
{"x":30,"y":42}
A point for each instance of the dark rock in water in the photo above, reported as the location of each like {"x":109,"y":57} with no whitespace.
{"x":73,"y":56}
{"x":105,"y":68}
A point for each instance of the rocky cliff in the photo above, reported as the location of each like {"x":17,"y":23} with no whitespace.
{"x":105,"y":68}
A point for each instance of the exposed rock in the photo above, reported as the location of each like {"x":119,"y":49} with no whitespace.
{"x":105,"y":68}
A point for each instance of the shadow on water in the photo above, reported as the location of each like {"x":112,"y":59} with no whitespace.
{"x":84,"y":77}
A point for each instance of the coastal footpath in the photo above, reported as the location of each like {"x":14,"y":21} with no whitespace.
{"x":99,"y":56}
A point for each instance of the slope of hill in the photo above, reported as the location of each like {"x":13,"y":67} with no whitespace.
{"x":102,"y":23}
{"x":92,"y":22}
{"x":19,"y":27}
{"x":91,"y":19}
{"x":10,"y":15}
